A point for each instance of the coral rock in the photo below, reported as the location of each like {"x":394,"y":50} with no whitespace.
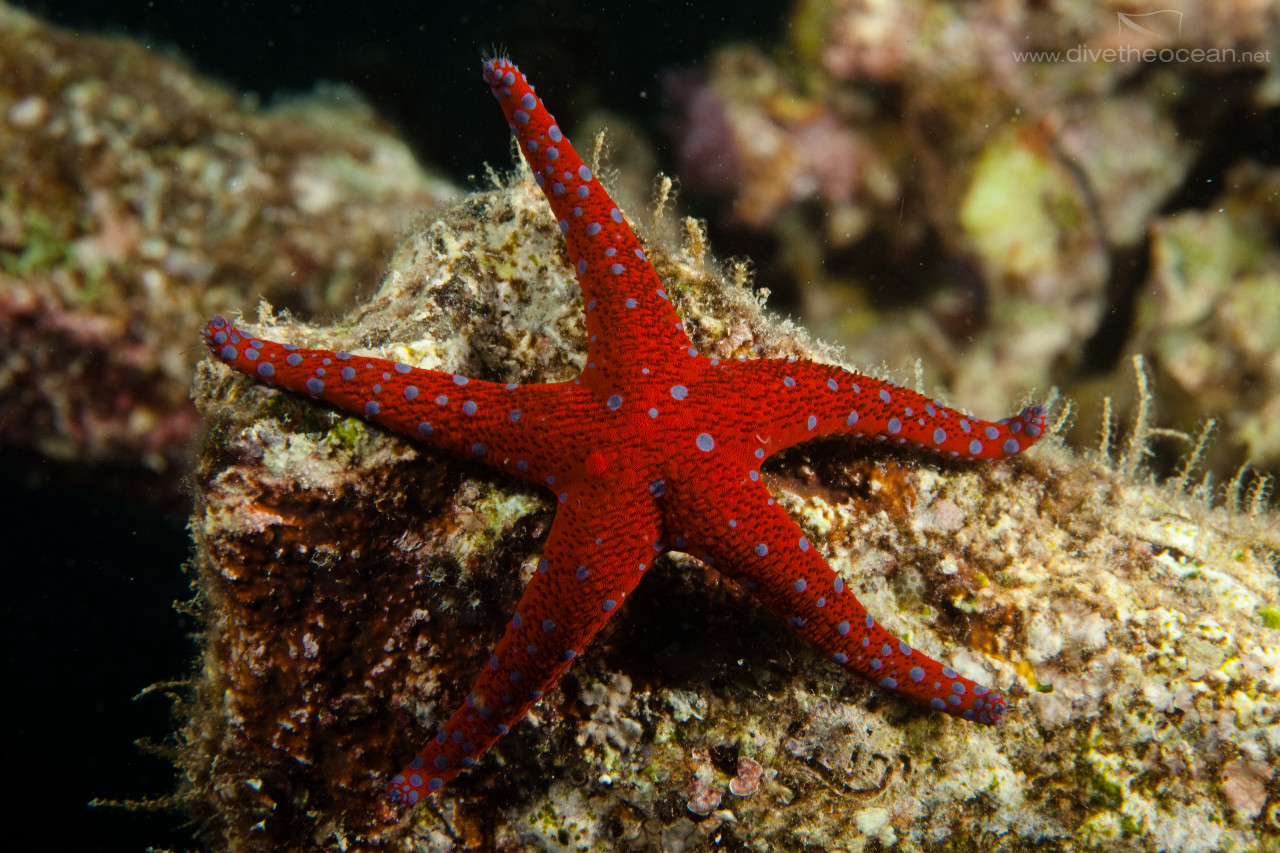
{"x":137,"y":197}
{"x":353,"y":581}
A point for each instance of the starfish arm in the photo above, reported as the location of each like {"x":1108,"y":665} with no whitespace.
{"x":627,"y":310}
{"x":518,"y":428}
{"x":596,"y":553}
{"x":744,"y":534}
{"x":807,"y":400}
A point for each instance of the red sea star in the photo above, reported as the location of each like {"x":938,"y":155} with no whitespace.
{"x":653,"y":447}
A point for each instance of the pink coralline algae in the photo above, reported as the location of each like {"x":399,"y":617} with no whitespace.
{"x":747,"y":782}
{"x":704,"y":798}
{"x":769,"y":159}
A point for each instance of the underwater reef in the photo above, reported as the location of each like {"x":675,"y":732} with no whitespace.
{"x":1014,"y":224}
{"x":136,"y":197}
{"x":1019,"y":194}
{"x":353,"y":582}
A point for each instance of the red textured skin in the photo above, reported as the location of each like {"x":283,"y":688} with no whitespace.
{"x":652,"y":448}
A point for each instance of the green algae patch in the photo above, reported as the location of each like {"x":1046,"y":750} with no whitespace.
{"x":1017,"y":206}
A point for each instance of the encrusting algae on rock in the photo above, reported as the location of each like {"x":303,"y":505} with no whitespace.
{"x":136,"y":196}
{"x":354,"y":582}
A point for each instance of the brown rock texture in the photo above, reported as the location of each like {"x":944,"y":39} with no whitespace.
{"x":137,"y":197}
